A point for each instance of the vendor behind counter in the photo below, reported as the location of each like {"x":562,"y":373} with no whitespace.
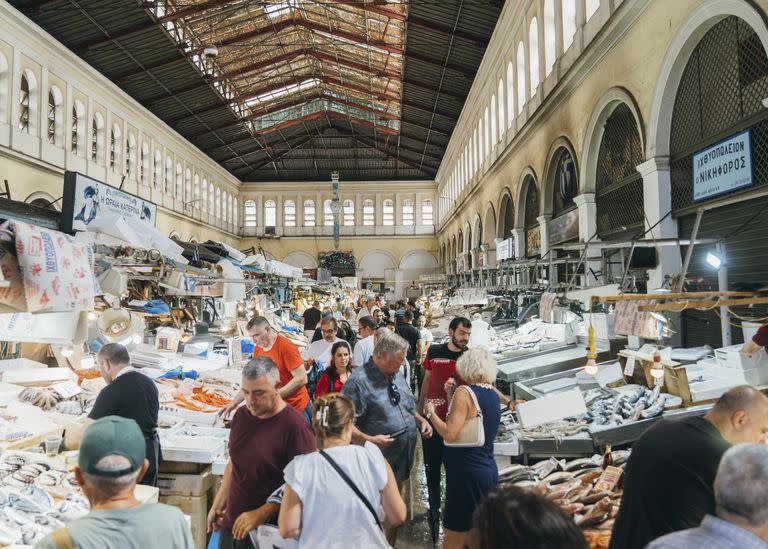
{"x":129,"y":394}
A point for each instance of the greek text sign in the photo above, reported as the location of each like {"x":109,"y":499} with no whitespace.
{"x":87,"y":200}
{"x":723,"y":167}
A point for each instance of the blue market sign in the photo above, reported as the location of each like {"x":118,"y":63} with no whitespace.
{"x":723,"y":167}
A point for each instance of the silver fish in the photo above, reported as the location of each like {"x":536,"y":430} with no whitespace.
{"x":577,"y":464}
{"x":557,"y":478}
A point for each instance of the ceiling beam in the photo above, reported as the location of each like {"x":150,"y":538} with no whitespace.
{"x":424,"y":169}
{"x":478,"y":40}
{"x":372,"y":8}
{"x":423,"y":127}
{"x":422,"y":108}
{"x":410,"y":82}
{"x":464,"y":71}
{"x":346,"y":134}
{"x":259,"y":66}
{"x":189,"y":11}
{"x":279,"y":155}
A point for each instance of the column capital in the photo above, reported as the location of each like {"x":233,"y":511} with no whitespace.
{"x":542,"y":219}
{"x":584,"y":198}
{"x":655,"y":164}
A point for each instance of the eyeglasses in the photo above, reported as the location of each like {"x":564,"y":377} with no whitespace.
{"x":394,"y":393}
{"x":331,"y":331}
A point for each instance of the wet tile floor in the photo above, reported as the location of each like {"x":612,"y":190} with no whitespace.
{"x":415,"y":533}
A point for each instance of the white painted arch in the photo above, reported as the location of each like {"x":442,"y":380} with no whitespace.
{"x":418,"y":260}
{"x":375,"y":263}
{"x":547,"y":188}
{"x":596,"y":128}
{"x":706,"y":15}
{"x":40,"y":195}
{"x":301,"y":260}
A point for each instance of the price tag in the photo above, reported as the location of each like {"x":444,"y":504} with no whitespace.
{"x":658,"y":381}
{"x":629,"y":367}
{"x":67,"y":389}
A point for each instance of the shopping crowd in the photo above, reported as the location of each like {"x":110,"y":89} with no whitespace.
{"x":322,"y":444}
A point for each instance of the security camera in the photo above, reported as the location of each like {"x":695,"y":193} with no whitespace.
{"x":210,"y":52}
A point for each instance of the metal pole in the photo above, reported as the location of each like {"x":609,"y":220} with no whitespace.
{"x":689,"y":251}
{"x":722,"y":283}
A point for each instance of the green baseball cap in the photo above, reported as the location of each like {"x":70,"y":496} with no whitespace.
{"x":112,"y":436}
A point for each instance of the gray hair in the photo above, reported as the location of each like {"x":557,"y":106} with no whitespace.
{"x":740,"y":483}
{"x":389,"y":343}
{"x":261,"y":366}
{"x":115,"y":353}
{"x":112,"y":485}
{"x":477,"y":366}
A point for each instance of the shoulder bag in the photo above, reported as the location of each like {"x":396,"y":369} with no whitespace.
{"x":472,"y":434}
{"x":355,"y":489}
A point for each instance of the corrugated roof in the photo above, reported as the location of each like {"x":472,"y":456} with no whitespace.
{"x":298,"y":88}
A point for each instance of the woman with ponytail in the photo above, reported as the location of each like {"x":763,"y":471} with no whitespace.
{"x":339,"y":480}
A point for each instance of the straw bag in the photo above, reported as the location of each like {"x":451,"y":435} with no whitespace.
{"x":472,"y":434}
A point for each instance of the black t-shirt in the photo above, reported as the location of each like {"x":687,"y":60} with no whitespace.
{"x":669,"y":481}
{"x":311,"y":318}
{"x":412,"y":335}
{"x":131,"y":395}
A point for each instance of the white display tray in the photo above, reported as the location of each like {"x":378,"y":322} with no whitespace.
{"x":202,"y":447}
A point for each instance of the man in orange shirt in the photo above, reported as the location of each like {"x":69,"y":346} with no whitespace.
{"x":293,"y":375}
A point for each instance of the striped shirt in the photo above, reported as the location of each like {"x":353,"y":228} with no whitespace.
{"x":713,"y":532}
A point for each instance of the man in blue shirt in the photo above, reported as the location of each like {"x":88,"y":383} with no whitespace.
{"x":741,"y":506}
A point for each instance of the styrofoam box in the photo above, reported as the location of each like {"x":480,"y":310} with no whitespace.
{"x":38,"y":377}
{"x":190,"y":416}
{"x":551,"y":408}
{"x":732,"y":357}
{"x":19,"y":364}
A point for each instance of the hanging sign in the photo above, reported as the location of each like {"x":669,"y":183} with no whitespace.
{"x":564,"y":227}
{"x":533,"y":241}
{"x":723,"y":167}
{"x":505,"y":249}
{"x":87,"y":200}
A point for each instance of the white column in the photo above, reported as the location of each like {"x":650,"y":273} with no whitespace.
{"x":587,"y":229}
{"x":657,"y":202}
{"x":519,"y":236}
{"x":544,"y":231}
{"x":279,"y":212}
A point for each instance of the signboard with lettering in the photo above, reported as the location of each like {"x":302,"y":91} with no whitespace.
{"x":564,"y":227}
{"x":505,"y":249}
{"x":723,"y":167}
{"x":87,"y":200}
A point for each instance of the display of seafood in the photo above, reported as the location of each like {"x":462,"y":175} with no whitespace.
{"x":47,"y":399}
{"x":608,"y":409}
{"x":573,"y":485}
{"x":27,"y":511}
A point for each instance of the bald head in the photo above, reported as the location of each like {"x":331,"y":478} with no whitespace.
{"x":741,"y":415}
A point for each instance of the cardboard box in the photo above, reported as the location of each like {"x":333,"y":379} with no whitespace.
{"x":197,"y":508}
{"x":184,"y":484}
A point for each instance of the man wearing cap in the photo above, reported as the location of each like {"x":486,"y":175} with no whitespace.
{"x":111,"y":462}
{"x":129,"y":394}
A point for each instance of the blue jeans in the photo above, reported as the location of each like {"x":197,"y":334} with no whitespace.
{"x":307,"y":413}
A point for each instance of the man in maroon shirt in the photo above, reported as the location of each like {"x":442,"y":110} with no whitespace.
{"x":266,"y":435}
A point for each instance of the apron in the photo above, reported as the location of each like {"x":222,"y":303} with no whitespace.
{"x":155,"y":457}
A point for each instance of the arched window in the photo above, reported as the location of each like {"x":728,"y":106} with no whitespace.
{"x":169,"y":186}
{"x":188,"y":196}
{"x":388,"y":213}
{"x":502,"y":110}
{"x":144,"y":170}
{"x":481,"y":142}
{"x":369,"y":213}
{"x":25,"y":103}
{"x":250,"y":213}
{"x":309,"y":213}
{"x":407,"y":212}
{"x":114,"y":148}
{"x":510,"y":94}
{"x":130,"y":156}
{"x":289,"y":213}
{"x":427,"y":213}
{"x":565,"y":185}
{"x":533,"y":53}
{"x":204,"y":200}
{"x":520,"y":77}
{"x":179,"y":182}
{"x":217,"y":204}
{"x":211,"y":202}
{"x":327,"y":214}
{"x":487,"y":134}
{"x":3,"y":88}
{"x":531,"y":219}
{"x":549,"y":36}
{"x":592,"y":6}
{"x":235,"y":211}
{"x":270,"y":213}
{"x":569,"y":23}
{"x":97,"y":138}
{"x":158,"y":172}
{"x":349,"y":213}
{"x":494,"y":120}
{"x":198,"y":202}
{"x":78,"y":130}
{"x":229,"y":208}
{"x":55,"y":100}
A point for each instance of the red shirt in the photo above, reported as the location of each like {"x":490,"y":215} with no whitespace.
{"x":441,"y":361}
{"x":322,"y":385}
{"x":287,"y":358}
{"x":259,"y":450}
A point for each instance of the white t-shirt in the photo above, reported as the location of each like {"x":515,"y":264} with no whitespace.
{"x":363,"y":351}
{"x":325,"y":497}
{"x":320,"y":350}
{"x":426,"y":337}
